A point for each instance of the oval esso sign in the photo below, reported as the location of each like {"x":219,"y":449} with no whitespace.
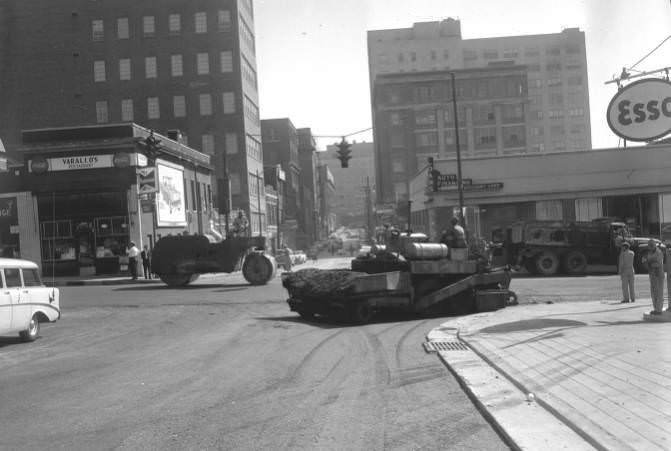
{"x":642,"y":110}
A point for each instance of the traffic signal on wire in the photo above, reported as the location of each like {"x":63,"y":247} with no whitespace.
{"x":344,"y":152}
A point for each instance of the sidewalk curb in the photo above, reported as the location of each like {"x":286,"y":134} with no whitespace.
{"x":522,"y":423}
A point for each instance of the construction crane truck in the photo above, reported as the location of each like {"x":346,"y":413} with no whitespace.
{"x":559,"y":247}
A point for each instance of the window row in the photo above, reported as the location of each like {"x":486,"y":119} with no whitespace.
{"x":179,"y":107}
{"x":483,"y":137}
{"x":208,"y":143}
{"x":174,"y":25}
{"x":202,"y":66}
{"x":480,"y":113}
{"x":555,"y":81}
{"x":513,"y":53}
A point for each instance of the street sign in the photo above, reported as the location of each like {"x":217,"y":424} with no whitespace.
{"x":642,"y":110}
{"x":146,"y":180}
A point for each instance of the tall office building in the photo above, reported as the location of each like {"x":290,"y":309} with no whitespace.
{"x":537,"y":83}
{"x":169,"y":65}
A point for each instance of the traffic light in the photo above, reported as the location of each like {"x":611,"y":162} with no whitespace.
{"x":344,"y":152}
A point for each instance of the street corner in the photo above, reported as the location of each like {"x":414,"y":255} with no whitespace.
{"x":504,"y":403}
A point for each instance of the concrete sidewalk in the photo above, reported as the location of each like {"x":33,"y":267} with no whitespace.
{"x":595,"y":367}
{"x":70,"y":281}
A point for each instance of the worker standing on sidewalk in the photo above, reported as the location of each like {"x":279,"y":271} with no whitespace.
{"x":655,"y":262}
{"x":625,"y":267}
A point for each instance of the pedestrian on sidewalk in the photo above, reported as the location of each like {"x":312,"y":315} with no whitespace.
{"x":625,"y":268}
{"x":133,"y":253}
{"x":146,"y":261}
{"x":655,"y":261}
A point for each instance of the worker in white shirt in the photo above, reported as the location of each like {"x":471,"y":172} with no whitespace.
{"x":133,"y":253}
{"x":625,"y":268}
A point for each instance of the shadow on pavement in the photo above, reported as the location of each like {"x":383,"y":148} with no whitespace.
{"x":202,"y":286}
{"x":6,"y":341}
{"x":326,"y":322}
{"x":529,"y":324}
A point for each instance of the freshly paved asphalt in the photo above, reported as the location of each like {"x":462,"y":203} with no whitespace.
{"x":221,"y":365}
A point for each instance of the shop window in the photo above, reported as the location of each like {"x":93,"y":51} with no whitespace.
{"x":111,"y":236}
{"x":57,"y":241}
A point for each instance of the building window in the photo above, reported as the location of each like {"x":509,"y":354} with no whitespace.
{"x":150,"y":66}
{"x":124,"y":69}
{"x":174,"y":24}
{"x":557,"y":130}
{"x":559,"y":146}
{"x":425,"y":119}
{"x":208,"y":144}
{"x":553,"y":51}
{"x":229,"y":102}
{"x":226,"y":61}
{"x":202,"y":63}
{"x":231,"y":143}
{"x":248,"y":72}
{"x":510,"y":53}
{"x":97,"y":30}
{"x":179,"y":106}
{"x":201,"y":22}
{"x":470,"y":55}
{"x":536,"y":131}
{"x":534,"y":67}
{"x":176,"y":65}
{"x":413,"y":56}
{"x":553,"y":67}
{"x":556,"y":98}
{"x":535,"y":83}
{"x":205,"y":104}
{"x":554,"y":81}
{"x":573,"y":66}
{"x":254,"y":149}
{"x":483,"y":113}
{"x":433,"y":55}
{"x":102,"y":115}
{"x":148,"y":26}
{"x":398,"y":165}
{"x":446,"y":54}
{"x":485,"y":137}
{"x":490,"y":54}
{"x":572,"y":49}
{"x":122,"y":28}
{"x":514,"y":136}
{"x":127,"y":110}
{"x":153,"y":111}
{"x":532,"y":51}
{"x":576,"y":112}
{"x":99,"y":71}
{"x":247,"y":35}
{"x":395,"y":118}
{"x":224,"y":20}
{"x":556,"y":114}
{"x":577,"y":129}
{"x":539,"y":115}
{"x":251,"y":111}
{"x":426,"y":139}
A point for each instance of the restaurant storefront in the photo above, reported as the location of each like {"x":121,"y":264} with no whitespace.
{"x":96,"y":189}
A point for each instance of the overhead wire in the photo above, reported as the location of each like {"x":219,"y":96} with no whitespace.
{"x":650,"y":52}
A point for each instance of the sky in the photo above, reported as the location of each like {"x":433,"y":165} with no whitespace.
{"x":312,"y":60}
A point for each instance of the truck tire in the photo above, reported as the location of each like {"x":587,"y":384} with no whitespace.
{"x":575,"y":262}
{"x":547,"y":263}
{"x":177,"y":280}
{"x":258,"y":269}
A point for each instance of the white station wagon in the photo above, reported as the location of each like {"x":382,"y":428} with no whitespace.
{"x":24,"y":300}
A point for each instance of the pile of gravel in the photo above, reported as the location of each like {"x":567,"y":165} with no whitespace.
{"x":316,"y":284}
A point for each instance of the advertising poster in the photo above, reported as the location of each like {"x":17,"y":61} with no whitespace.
{"x":170,"y":210}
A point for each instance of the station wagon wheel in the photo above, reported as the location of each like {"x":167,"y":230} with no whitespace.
{"x":33,"y":330}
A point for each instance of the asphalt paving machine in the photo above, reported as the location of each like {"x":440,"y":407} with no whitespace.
{"x":410,"y":274}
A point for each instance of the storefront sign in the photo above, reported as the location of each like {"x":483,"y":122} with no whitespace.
{"x":39,"y":165}
{"x":170,"y":208}
{"x":642,"y":110}
{"x":146,"y":180}
{"x":8,"y":209}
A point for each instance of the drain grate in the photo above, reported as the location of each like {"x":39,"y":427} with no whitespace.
{"x":435,"y":346}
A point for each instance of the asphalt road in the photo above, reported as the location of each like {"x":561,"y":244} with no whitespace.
{"x":221,"y":365}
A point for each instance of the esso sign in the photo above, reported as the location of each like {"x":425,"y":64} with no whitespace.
{"x":642,"y":110}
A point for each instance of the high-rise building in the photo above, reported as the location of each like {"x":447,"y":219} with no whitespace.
{"x":410,"y":71}
{"x":307,"y":158}
{"x":168,"y":65}
{"x":352,"y":205}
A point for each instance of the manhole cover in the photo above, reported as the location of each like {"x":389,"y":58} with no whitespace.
{"x":435,"y":346}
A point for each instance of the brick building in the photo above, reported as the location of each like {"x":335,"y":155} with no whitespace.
{"x":169,"y":65}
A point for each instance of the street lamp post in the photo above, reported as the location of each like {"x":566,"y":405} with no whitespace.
{"x":460,"y":187}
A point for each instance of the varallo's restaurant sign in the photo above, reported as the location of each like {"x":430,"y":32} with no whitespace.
{"x":40,"y":165}
{"x":642,"y":110}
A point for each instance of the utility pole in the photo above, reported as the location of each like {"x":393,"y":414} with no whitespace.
{"x":258,"y":201}
{"x":460,"y":186}
{"x":368,"y":211}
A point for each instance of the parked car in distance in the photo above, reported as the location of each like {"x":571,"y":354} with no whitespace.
{"x":25,"y":301}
